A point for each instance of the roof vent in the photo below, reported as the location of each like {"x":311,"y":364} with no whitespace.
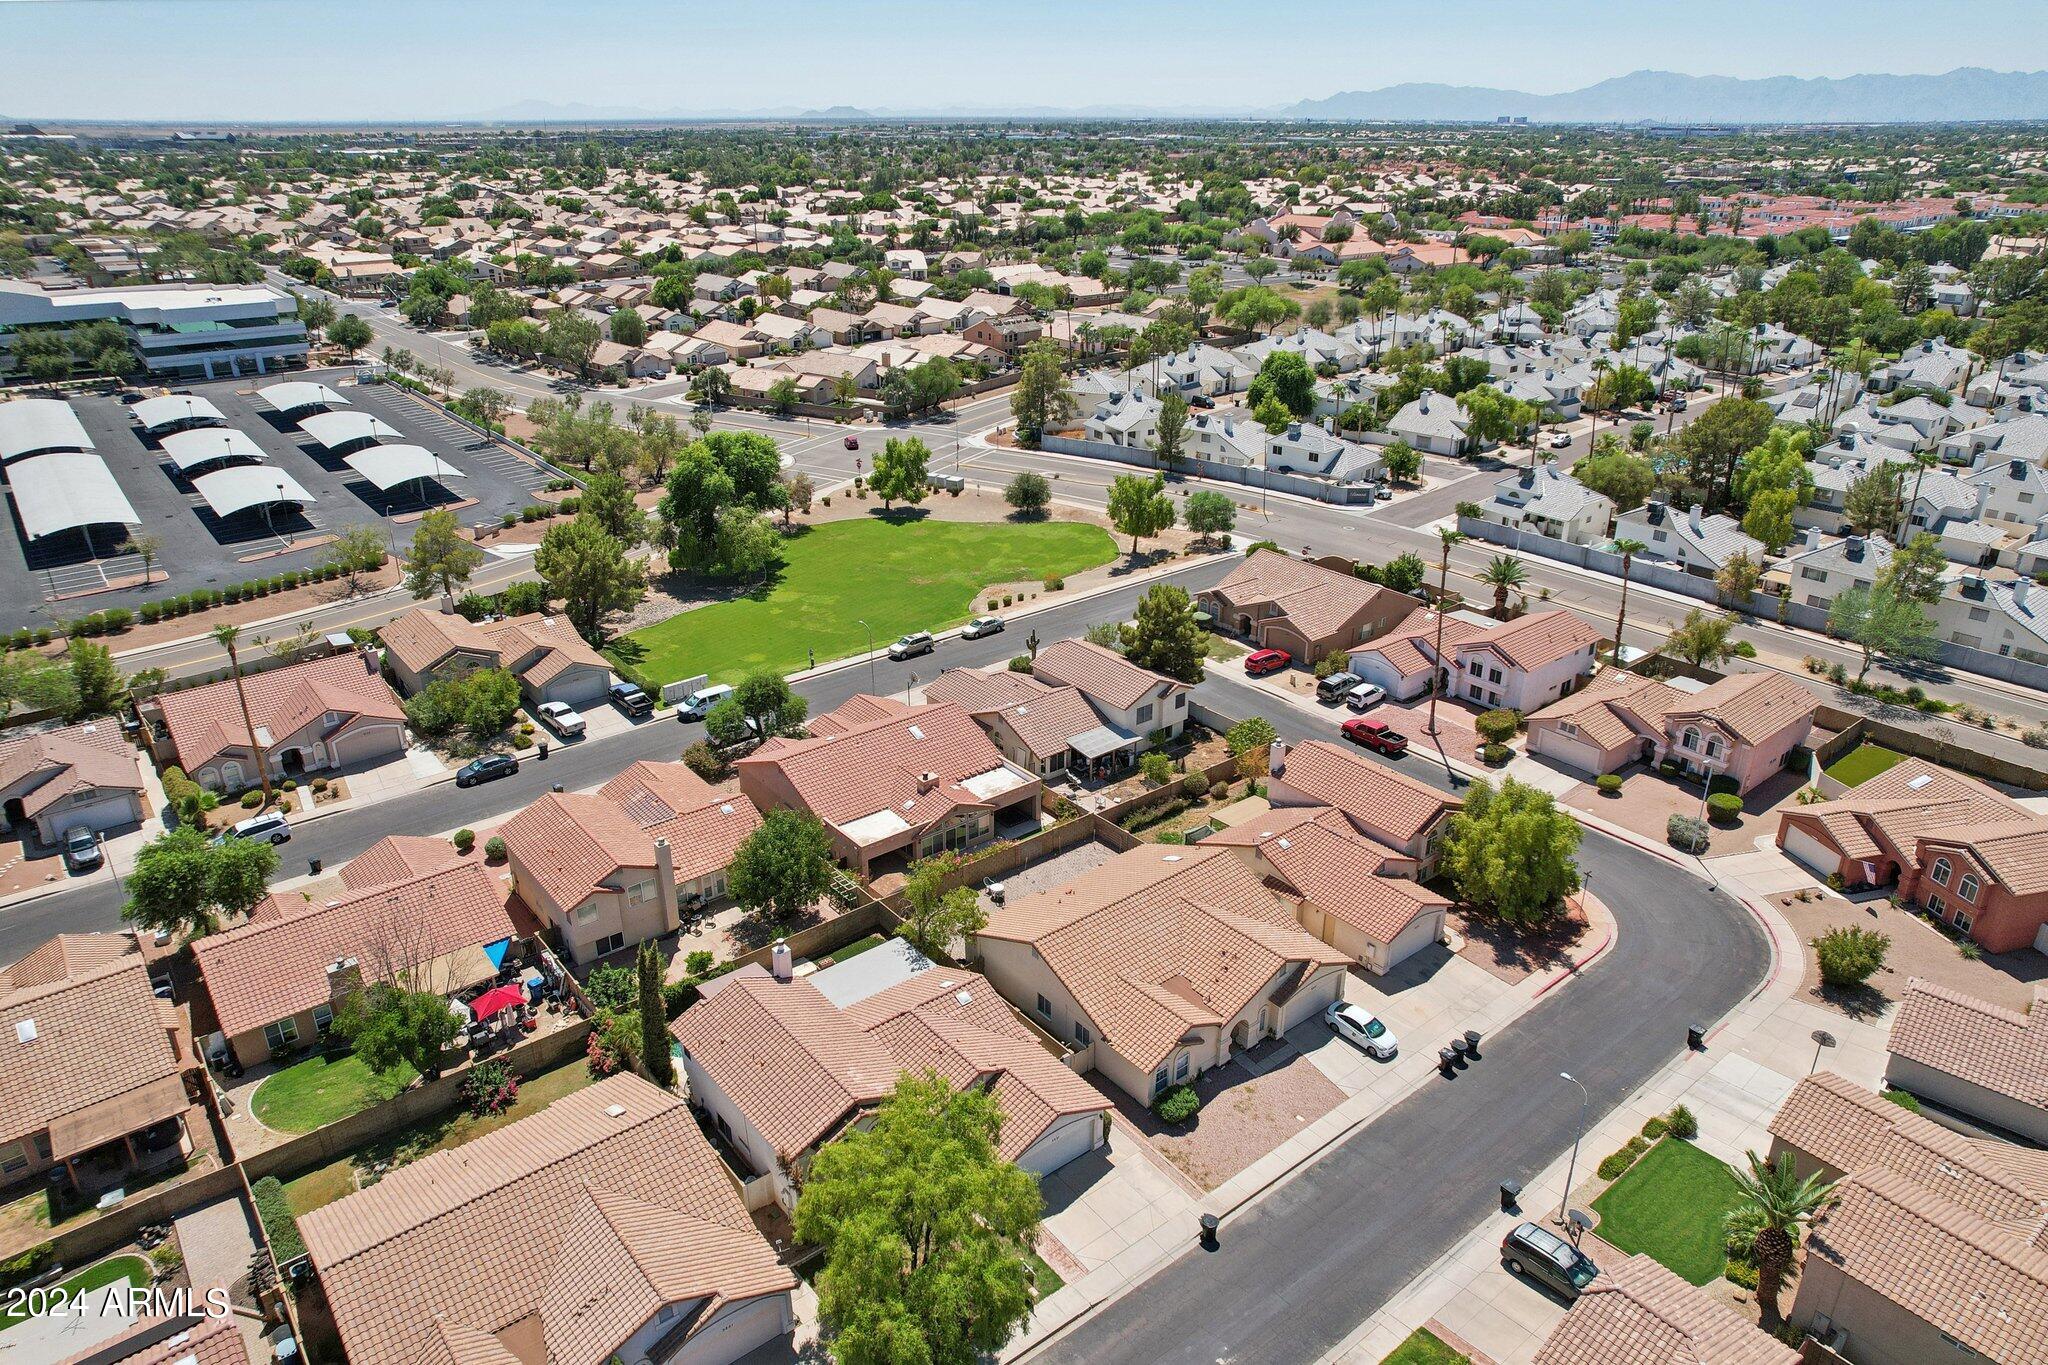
{"x":24,"y":1030}
{"x":1917,"y":783}
{"x":1171,"y":858}
{"x":1283,"y":841}
{"x":615,"y":1111}
{"x":917,"y":732}
{"x":725,"y":808}
{"x":964,"y":997}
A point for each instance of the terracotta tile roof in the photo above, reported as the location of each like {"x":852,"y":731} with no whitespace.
{"x":1639,"y":1313}
{"x":2015,"y":852}
{"x":1752,"y":706}
{"x":572,"y":843}
{"x":540,"y":648}
{"x":499,"y":1235}
{"x":1887,"y":815}
{"x":1161,"y":939}
{"x":276,"y":964}
{"x":1532,"y":641}
{"x":978,"y":692}
{"x":81,"y":1030}
{"x":1319,"y":601}
{"x":1615,"y":708}
{"x":1043,"y":717}
{"x":204,"y":722}
{"x":396,"y":857}
{"x":44,"y":768}
{"x":1407,"y":650}
{"x":1379,"y":801}
{"x":1104,"y":675}
{"x":423,"y":637}
{"x":1328,"y":862}
{"x":171,"y":1341}
{"x":2000,"y":1050}
{"x":704,"y":827}
{"x":857,"y":710}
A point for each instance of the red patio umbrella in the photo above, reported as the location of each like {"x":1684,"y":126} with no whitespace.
{"x":497,"y":998}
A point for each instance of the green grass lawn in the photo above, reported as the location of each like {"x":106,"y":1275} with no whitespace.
{"x":1424,"y":1347}
{"x":1044,"y":1279}
{"x":316,"y":1091}
{"x":118,"y":1270}
{"x":897,"y":575}
{"x":1862,"y":763}
{"x":856,"y":948}
{"x":324,"y":1184}
{"x":1669,"y":1205}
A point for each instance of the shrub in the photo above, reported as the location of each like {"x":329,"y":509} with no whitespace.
{"x":1157,"y":768}
{"x":1905,"y":1100}
{"x":494,"y":849}
{"x":613,"y":987}
{"x":320,"y":784}
{"x":1336,"y":661}
{"x":706,"y":762}
{"x":275,"y":1213}
{"x":1682,"y":1124}
{"x":290,"y":784}
{"x":465,"y":840}
{"x":1497,"y":727}
{"x":1850,"y":955}
{"x":490,"y":1088}
{"x":1177,"y":1105}
{"x":166,"y":1259}
{"x":698,"y":961}
{"x":1725,"y":808}
{"x":252,"y":799}
{"x":1493,"y":755}
{"x":1740,"y":1271}
{"x":1615,"y":1163}
{"x":29,"y":1264}
{"x":1054,"y":583}
{"x":1739,"y":1227}
{"x":1021,"y":664}
{"x":1687,"y":833}
{"x":1609,"y":784}
{"x":1655,"y":1127}
{"x":677,"y":996}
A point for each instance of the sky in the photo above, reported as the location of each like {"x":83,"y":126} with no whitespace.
{"x":261,"y":60}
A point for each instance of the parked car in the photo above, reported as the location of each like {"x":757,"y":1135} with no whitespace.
{"x":1375,"y":735}
{"x":1544,"y":1256}
{"x":1365,"y":696}
{"x":631,"y":699}
{"x":1383,"y":493}
{"x":1336,"y":685}
{"x":1561,"y":440}
{"x":81,"y":849}
{"x":1357,"y":1024}
{"x":1263,"y":661}
{"x":980,"y":626}
{"x":851,"y":443}
{"x":698,"y":704}
{"x":489,"y":768}
{"x":911,"y":645}
{"x":564,"y":719}
{"x":271,"y":826}
{"x":1678,"y":403}
{"x":1201,"y":400}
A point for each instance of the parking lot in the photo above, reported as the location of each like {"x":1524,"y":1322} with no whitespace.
{"x":76,"y":572}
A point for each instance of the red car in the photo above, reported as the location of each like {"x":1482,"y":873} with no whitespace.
{"x":1375,"y":735}
{"x":1266,"y":661}
{"x":852,"y":443}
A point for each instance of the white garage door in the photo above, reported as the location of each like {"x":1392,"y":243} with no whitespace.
{"x":1573,"y":753}
{"x":1074,"y":1138}
{"x":1812,"y":851}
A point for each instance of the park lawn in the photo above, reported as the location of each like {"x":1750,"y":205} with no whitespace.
{"x":1862,"y":763}
{"x":322,"y":1185}
{"x":132,"y":1270}
{"x":1670,"y":1205}
{"x":897,"y":575}
{"x":1424,"y":1347}
{"x":319,"y":1090}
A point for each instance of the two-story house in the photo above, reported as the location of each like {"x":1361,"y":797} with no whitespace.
{"x":1130,"y":699}
{"x":1741,"y":727}
{"x":1525,"y":664}
{"x":1699,"y":544}
{"x":1549,"y":502}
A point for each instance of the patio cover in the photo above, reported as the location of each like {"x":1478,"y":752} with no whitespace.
{"x":170,"y":409}
{"x":336,"y":429}
{"x":65,"y":490}
{"x":390,"y":466}
{"x":497,"y":998}
{"x":190,"y":449}
{"x":240,"y":487}
{"x":290,"y":397}
{"x":1101,"y":742}
{"x":115,"y":1117}
{"x":28,"y":425}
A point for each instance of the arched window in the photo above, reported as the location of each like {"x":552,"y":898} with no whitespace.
{"x":1940,"y":872}
{"x":1967,"y":887}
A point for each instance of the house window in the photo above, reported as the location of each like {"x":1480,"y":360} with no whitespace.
{"x":1936,"y":906}
{"x":1160,"y":1080}
{"x":1145,"y":713}
{"x":1493,"y":675}
{"x":13,"y":1157}
{"x":1044,"y":1008}
{"x":1966,"y":889}
{"x":1180,"y":1067}
{"x":1940,"y":872}
{"x":281,"y":1034}
{"x":1817,"y":575}
{"x":639,"y":893}
{"x":1082,"y":1037}
{"x":585,"y":913}
{"x":1180,"y":701}
{"x":1714,"y":747}
{"x":1477,"y":668}
{"x":610,"y":943}
{"x":1690,"y":739}
{"x":323,"y":1016}
{"x":331,"y":719}
{"x":1567,"y":727}
{"x":1962,"y":920}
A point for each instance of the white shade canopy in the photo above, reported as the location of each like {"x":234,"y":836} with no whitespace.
{"x":176,"y":410}
{"x":337,"y":429}
{"x":191,"y":449}
{"x":298,"y":395}
{"x":240,"y":487}
{"x":389,"y":466}
{"x":30,"y":426}
{"x":65,"y":490}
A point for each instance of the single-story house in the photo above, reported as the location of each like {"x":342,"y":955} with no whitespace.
{"x":1280,"y":602}
{"x":329,"y":712}
{"x":71,"y":777}
{"x":1973,"y":1058}
{"x":1743,"y":725}
{"x":551,"y":661}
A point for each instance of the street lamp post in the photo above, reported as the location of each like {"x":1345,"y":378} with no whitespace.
{"x":871,"y":656}
{"x":1572,"y":1170}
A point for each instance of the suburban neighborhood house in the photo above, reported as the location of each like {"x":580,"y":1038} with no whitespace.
{"x":1388,"y":807}
{"x":545,"y":653}
{"x":1914,"y":1195}
{"x":1639,"y":1313}
{"x":183,"y":1340}
{"x":1549,"y":502}
{"x":275,"y":981}
{"x":1525,"y":664}
{"x":1134,"y":701}
{"x":1307,"y":609}
{"x":1698,"y":544}
{"x":100,"y":1080}
{"x":1741,"y":727}
{"x":81,"y":776}
{"x":602,"y":1228}
{"x":1039,"y":727}
{"x":893,"y":783}
{"x":1974,"y":1058}
{"x":324,"y":713}
{"x":1162,"y":963}
{"x":1965,"y":853}
{"x":781,"y":1067}
{"x":1403,"y":662}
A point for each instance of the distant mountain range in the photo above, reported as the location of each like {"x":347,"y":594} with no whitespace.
{"x":1967,"y":94}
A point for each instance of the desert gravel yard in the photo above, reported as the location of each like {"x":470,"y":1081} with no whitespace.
{"x":1242,"y":1118}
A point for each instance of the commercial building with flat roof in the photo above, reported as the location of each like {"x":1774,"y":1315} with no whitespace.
{"x":180,"y":331}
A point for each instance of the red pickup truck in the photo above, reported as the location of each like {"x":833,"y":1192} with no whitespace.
{"x":1375,"y":735}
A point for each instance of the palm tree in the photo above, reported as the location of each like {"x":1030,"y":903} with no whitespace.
{"x":1926,"y":460}
{"x":1628,"y":550}
{"x":1784,"y":1203}
{"x":1503,"y":572}
{"x":1448,"y":538}
{"x":1601,"y":366}
{"x":225,"y":636}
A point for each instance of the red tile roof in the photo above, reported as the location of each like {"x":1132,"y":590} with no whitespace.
{"x":171,"y":1341}
{"x":1532,"y":641}
{"x":1106,"y":676}
{"x":1327,"y":862}
{"x":205,"y":722}
{"x":2000,"y":1050}
{"x":573,"y":843}
{"x":704,"y":827}
{"x":1318,"y":601}
{"x":1639,"y":1313}
{"x":44,"y":768}
{"x":1380,"y":801}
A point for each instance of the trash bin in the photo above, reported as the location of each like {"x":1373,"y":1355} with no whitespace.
{"x":1510,"y":1195}
{"x":1696,"y":1037}
{"x":313,"y":866}
{"x":541,"y":750}
{"x":1446,"y":1060}
{"x":1209,"y":1225}
{"x":1472,"y":1043}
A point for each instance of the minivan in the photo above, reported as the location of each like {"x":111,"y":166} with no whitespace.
{"x":270,"y":826}
{"x":698,"y":704}
{"x":1336,"y":685}
{"x":1544,"y":1256}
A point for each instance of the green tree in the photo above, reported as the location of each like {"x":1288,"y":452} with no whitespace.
{"x":589,"y":570}
{"x":1029,"y":492}
{"x":1171,"y":429}
{"x":1616,"y":474}
{"x":1403,"y":461}
{"x":1285,"y":375}
{"x":569,"y":340}
{"x":937,"y":916}
{"x":1210,"y":513}
{"x":1782,"y":1204}
{"x":350,"y":333}
{"x":30,"y":680}
{"x":1495,"y":417}
{"x":1139,"y":507}
{"x":1871,"y":502}
{"x":388,"y":1024}
{"x":783,"y":866}
{"x":1915,"y":569}
{"x":654,"y":1048}
{"x":1738,"y":579}
{"x":1164,"y":636}
{"x":628,"y":328}
{"x":1713,"y":444}
{"x":900,"y":473}
{"x":1701,"y":640}
{"x":1503,"y":573}
{"x":1882,"y":622}
{"x":784,"y":395}
{"x":1042,"y":400}
{"x":479,"y":703}
{"x":925,"y":1231}
{"x":357,"y":550}
{"x":766,"y":698}
{"x":439,"y":560}
{"x":1511,"y":852}
{"x":1405,"y":572}
{"x":609,"y":502}
{"x":96,"y":684}
{"x":1628,"y":550}
{"x":184,"y":885}
{"x":1272,"y":414}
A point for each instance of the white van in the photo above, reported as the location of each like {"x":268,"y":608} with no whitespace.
{"x":699,"y":703}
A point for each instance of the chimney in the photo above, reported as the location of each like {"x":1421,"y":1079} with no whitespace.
{"x":779,"y":961}
{"x":1983,"y":496}
{"x":1694,"y":519}
{"x":1813,"y":537}
{"x":1276,"y":758}
{"x":665,"y":883}
{"x":2019,"y":591}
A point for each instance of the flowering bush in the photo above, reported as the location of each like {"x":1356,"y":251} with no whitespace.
{"x":490,"y":1088}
